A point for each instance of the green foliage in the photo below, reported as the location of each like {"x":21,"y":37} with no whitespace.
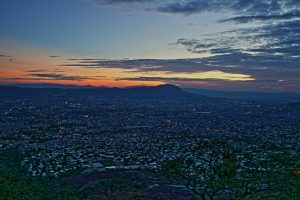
{"x":172,"y":167}
{"x":107,"y":162}
{"x":269,"y":177}
{"x":69,"y":192}
{"x":16,"y":185}
{"x":10,"y":161}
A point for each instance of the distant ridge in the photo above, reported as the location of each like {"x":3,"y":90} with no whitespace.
{"x":166,"y":91}
{"x":276,"y":97}
{"x":160,"y":91}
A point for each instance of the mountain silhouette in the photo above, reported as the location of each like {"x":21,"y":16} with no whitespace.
{"x":160,"y":91}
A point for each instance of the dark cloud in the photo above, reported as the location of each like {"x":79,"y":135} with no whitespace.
{"x":55,"y":76}
{"x":41,"y":70}
{"x":246,"y":19}
{"x":191,"y":7}
{"x":144,"y":65}
{"x":58,"y":70}
{"x":54,"y":56}
{"x":245,"y":10}
{"x":37,"y":70}
{"x":46,"y":75}
{"x":84,"y":59}
{"x":5,"y":56}
{"x":34,"y":75}
{"x":261,"y":67}
{"x":166,"y":79}
{"x":281,"y":38}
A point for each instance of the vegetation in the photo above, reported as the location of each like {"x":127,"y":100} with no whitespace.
{"x":15,"y":184}
{"x":215,"y":171}
{"x":220,"y":174}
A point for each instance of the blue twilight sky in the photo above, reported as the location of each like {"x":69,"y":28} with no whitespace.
{"x":218,"y":44}
{"x":84,"y":27}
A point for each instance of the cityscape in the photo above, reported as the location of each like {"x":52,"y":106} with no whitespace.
{"x":62,"y":135}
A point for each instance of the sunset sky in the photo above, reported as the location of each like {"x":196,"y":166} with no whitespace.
{"x":251,"y":45}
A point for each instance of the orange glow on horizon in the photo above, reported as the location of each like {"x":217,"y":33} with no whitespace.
{"x":9,"y":77}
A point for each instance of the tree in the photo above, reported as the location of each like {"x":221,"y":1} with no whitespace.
{"x":208,"y":171}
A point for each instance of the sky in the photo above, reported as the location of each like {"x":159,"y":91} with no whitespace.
{"x":245,"y":45}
